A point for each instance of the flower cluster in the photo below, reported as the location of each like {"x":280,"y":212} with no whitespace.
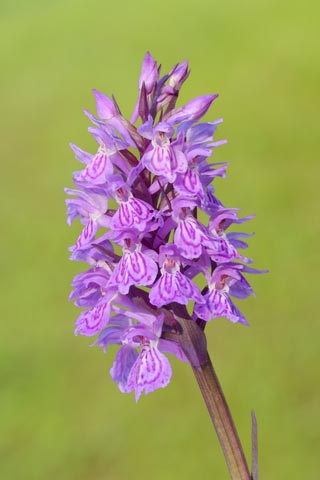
{"x":138,"y":199}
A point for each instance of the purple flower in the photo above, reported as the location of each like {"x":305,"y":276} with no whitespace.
{"x":226,"y":280}
{"x":228,"y":243}
{"x":136,"y":267}
{"x":139,"y":364}
{"x":140,"y":198}
{"x":132,"y":212}
{"x":163,"y":157}
{"x":150,"y":371}
{"x":101,"y":165}
{"x":173,"y":286}
{"x":91,"y":208}
{"x":93,"y":320}
{"x":98,"y":170}
{"x":88,"y":287}
{"x":189,"y":235}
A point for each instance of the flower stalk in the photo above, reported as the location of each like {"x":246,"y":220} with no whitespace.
{"x":222,"y":420}
{"x":214,"y":398}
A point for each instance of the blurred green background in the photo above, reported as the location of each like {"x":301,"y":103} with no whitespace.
{"x":61,"y":417}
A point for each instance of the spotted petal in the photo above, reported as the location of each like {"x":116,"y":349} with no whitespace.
{"x":189,"y":237}
{"x":174,"y":287}
{"x":86,"y":236}
{"x":218,"y":304}
{"x":134,"y":268}
{"x":189,"y":184}
{"x":92,"y":321}
{"x":133,"y":213}
{"x":120,"y":370}
{"x":97,"y":170}
{"x":166,"y":161}
{"x":152,"y":370}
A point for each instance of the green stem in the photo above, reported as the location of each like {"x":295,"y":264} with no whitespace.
{"x":221,"y":418}
{"x":193,"y":343}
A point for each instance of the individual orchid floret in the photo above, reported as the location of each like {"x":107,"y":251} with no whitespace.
{"x":220,"y":250}
{"x":91,"y":208}
{"x":219,"y":222}
{"x":198,"y":147}
{"x":101,"y":165}
{"x":194,"y":182}
{"x":89,"y":287}
{"x":98,"y":169}
{"x":93,"y":320}
{"x":132,"y":211}
{"x":190,"y":235}
{"x":189,"y":183}
{"x":136,"y":266}
{"x":151,"y":369}
{"x":226,"y":280}
{"x":163,"y":157}
{"x":222,"y":218}
{"x":172,"y":286}
{"x":143,"y":371}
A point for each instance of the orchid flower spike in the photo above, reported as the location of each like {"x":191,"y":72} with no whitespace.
{"x":138,"y":198}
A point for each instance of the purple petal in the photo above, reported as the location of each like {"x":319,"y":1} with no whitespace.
{"x":201,"y":133}
{"x":109,"y":336}
{"x":152,"y":370}
{"x":165,"y":291}
{"x":166,"y":161}
{"x":188,"y":288}
{"x":241,"y":288}
{"x":88,"y":286}
{"x":80,"y":154}
{"x":94,"y":320}
{"x":189,"y":238}
{"x":134,"y":269}
{"x":86,"y":236}
{"x":146,"y":129}
{"x":104,"y":105}
{"x":169,"y":346}
{"x":189,"y":183}
{"x":120,"y":370}
{"x":218,"y":304}
{"x":133,"y":213}
{"x":149,"y":73}
{"x":174,"y":287}
{"x":148,"y":77}
{"x":192,"y":111}
{"x":178,"y":75}
{"x":97,"y":170}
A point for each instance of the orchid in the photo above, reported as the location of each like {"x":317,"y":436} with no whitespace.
{"x":152,"y":226}
{"x":159,"y":191}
